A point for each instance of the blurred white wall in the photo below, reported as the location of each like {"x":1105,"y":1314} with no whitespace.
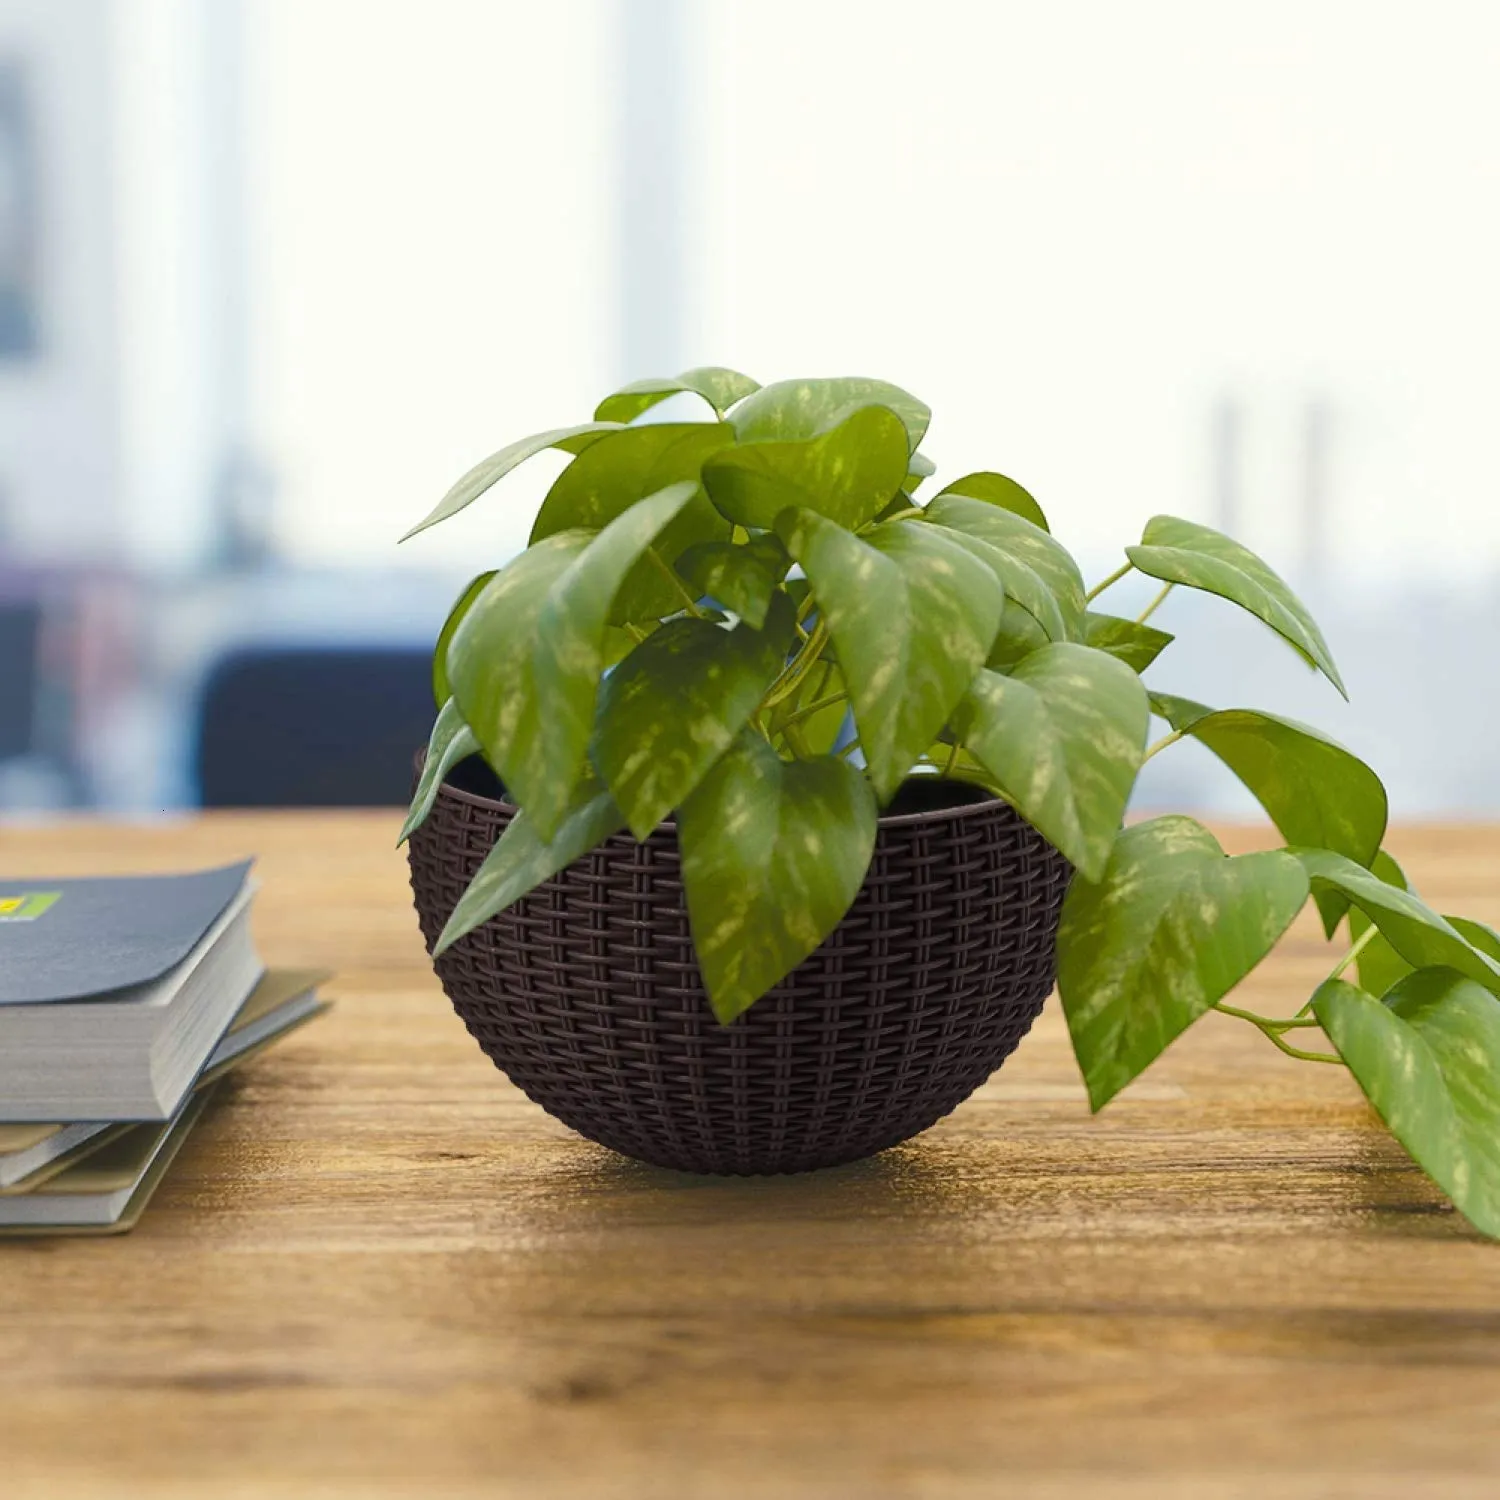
{"x":59,"y":449}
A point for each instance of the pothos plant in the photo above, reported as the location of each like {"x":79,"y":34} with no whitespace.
{"x":751,"y":621}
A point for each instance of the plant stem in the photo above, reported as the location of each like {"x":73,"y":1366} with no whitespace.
{"x":803,"y":663}
{"x":808,"y":605}
{"x":1105,"y":583}
{"x":809,"y":709}
{"x":1355,"y":949}
{"x":848,"y":749}
{"x":635,"y":632}
{"x":1155,"y":604}
{"x":904,"y":515}
{"x":1162,"y":743}
{"x":1274,"y":1023}
{"x":952,"y":760}
{"x":671,"y":575}
{"x":1272,"y":1030}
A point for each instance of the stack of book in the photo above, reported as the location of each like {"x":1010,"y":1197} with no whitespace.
{"x":122,"y":1003}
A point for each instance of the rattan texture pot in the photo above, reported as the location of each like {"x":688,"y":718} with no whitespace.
{"x":587,"y":995}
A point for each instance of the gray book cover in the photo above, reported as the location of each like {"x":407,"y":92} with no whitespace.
{"x":87,"y":939}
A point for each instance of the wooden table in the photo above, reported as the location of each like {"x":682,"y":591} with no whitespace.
{"x":378,"y":1270}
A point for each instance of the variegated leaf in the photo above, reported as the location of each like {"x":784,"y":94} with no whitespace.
{"x":996,"y":489}
{"x":791,"y":410}
{"x":498,"y":465}
{"x":719,"y":387}
{"x":742,"y":576}
{"x":1315,"y":791}
{"x":773,"y":854}
{"x":912,"y":615}
{"x":490,"y":656}
{"x":1136,"y":645}
{"x":606,"y":481}
{"x":677,"y":703}
{"x":1023,"y":541}
{"x":452,"y":741}
{"x":1428,"y":1059}
{"x":442,"y":689}
{"x":521,"y":859}
{"x":568,"y":657}
{"x":1063,"y":737}
{"x":847,"y":473}
{"x":1171,"y":928}
{"x":1413,"y":929}
{"x":1199,"y":557}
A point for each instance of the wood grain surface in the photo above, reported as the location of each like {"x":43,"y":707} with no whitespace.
{"x":376,"y":1269}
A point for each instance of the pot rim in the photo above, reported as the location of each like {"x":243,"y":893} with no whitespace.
{"x":985,"y":803}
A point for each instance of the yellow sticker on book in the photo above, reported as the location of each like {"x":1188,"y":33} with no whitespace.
{"x":28,"y":906}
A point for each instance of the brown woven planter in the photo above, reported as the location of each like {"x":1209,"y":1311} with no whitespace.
{"x":587,"y":994}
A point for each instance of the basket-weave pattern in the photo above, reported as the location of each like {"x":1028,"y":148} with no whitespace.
{"x":587,"y":994}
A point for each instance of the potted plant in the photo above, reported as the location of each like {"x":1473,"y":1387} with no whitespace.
{"x":765,"y":800}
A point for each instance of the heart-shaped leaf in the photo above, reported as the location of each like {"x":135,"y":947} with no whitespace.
{"x":1024,"y":590}
{"x":1136,"y":645}
{"x":442,"y":689}
{"x":1428,"y":1059}
{"x":791,"y":410}
{"x":1173,"y":926}
{"x":1199,"y":557}
{"x":1023,"y":541}
{"x":1379,"y":965}
{"x":490,"y":655}
{"x":847,"y":473}
{"x":1416,"y":932}
{"x":677,"y":703}
{"x":521,"y":860}
{"x":911,"y":615}
{"x":452,"y":741}
{"x":996,"y":489}
{"x":1315,"y":791}
{"x":719,"y":387}
{"x":568,"y":657}
{"x":773,"y":854}
{"x":498,"y":465}
{"x":1063,"y":737}
{"x":615,"y":473}
{"x":742,"y":576}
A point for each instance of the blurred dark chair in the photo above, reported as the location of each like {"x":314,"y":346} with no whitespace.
{"x":20,"y":635}
{"x":313,"y":728}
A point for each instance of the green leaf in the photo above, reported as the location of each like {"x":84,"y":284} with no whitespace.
{"x":1136,"y":645}
{"x":1022,"y":541}
{"x":742,"y":576}
{"x":614,"y":474}
{"x":919,"y":468}
{"x":911,"y":615}
{"x":1173,"y":926}
{"x":1024,"y":590}
{"x":1413,"y":929}
{"x":490,"y":655}
{"x":568,"y":657}
{"x":996,"y":489}
{"x":442,"y":689}
{"x":498,"y":465}
{"x":773,"y":854}
{"x":521,"y":860}
{"x":677,"y":703}
{"x":1379,"y":965}
{"x":847,"y":473}
{"x":1428,"y":1059}
{"x":1063,"y":736}
{"x":1477,"y":935}
{"x":1198,"y":557}
{"x":719,"y":387}
{"x":1315,"y":791}
{"x":792,"y":410}
{"x":452,"y":741}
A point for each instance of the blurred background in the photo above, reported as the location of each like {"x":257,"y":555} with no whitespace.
{"x":274,"y":272}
